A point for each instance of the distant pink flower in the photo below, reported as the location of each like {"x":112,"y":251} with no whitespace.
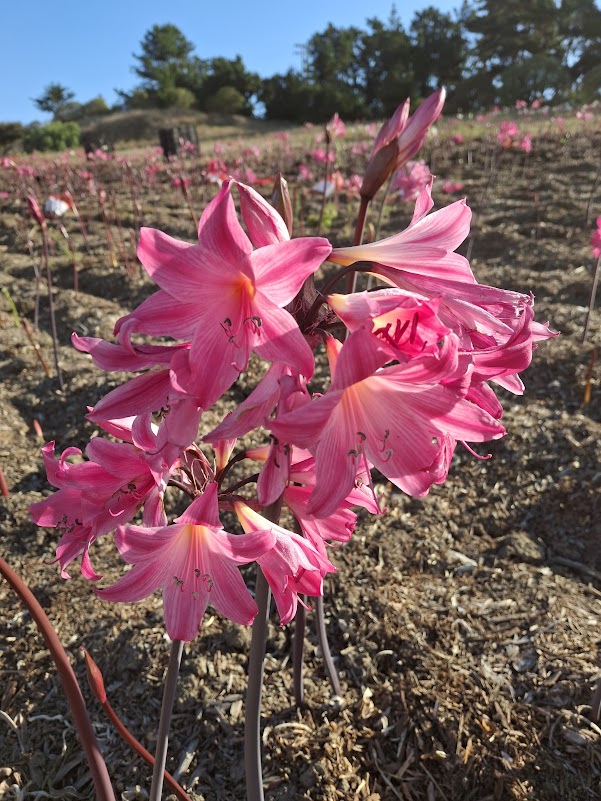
{"x":537,"y":103}
{"x":353,"y":184}
{"x":195,"y":562}
{"x":36,"y":211}
{"x":304,"y":173}
{"x":320,"y":155}
{"x":457,"y":139}
{"x":335,"y":127}
{"x":409,"y":181}
{"x":596,"y":239}
{"x":508,"y":132}
{"x":452,"y":187}
{"x":525,"y":143}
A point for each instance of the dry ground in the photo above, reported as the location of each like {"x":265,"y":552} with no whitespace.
{"x":466,"y":625}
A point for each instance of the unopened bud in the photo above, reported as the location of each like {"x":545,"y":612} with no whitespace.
{"x":95,"y":679}
{"x":280,"y":200}
{"x":34,"y":208}
{"x":379,"y":168}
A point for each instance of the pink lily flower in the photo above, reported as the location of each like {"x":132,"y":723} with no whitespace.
{"x":195,"y":562}
{"x":395,"y":417}
{"x":337,"y":527}
{"x":291,"y":566}
{"x":228,"y":299}
{"x":335,"y":128}
{"x":407,"y":324}
{"x":425,"y":247}
{"x":95,"y":497}
{"x":154,"y":391}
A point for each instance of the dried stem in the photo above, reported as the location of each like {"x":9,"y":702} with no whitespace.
{"x":325,"y":184}
{"x":51,"y":307}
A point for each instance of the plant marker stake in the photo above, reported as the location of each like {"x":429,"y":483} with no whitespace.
{"x":100,"y":776}
{"x":177,"y":647}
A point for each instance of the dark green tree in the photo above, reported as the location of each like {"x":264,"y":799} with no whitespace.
{"x":228,"y":74}
{"x":331,"y":69}
{"x":54,"y":99}
{"x":165,"y":58}
{"x":438,"y":50}
{"x":386,"y":66}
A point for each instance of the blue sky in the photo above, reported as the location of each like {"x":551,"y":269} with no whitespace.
{"x":88,"y":46}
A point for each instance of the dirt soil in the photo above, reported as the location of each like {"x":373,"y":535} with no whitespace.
{"x":465,"y":625}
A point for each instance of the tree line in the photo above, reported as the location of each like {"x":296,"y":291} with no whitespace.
{"x":486,"y":52}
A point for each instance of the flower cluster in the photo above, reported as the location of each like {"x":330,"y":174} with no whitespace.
{"x":411,"y":369}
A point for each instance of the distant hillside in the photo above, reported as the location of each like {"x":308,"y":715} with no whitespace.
{"x":141,"y":126}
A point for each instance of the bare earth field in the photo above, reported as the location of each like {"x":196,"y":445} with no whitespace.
{"x":465,"y":625}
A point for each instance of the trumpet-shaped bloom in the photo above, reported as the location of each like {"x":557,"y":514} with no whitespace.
{"x":291,"y":565}
{"x":96,"y":496}
{"x":425,"y":247}
{"x":226,"y":297}
{"x":395,"y":417}
{"x":195,"y":562}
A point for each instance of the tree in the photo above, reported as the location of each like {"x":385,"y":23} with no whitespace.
{"x":388,"y":75}
{"x":165,"y":59}
{"x":225,"y":73}
{"x":54,"y":99}
{"x":438,"y":50}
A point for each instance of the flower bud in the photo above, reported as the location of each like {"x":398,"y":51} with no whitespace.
{"x":34,"y":208}
{"x":95,"y":679}
{"x":398,"y":140}
{"x":280,"y":200}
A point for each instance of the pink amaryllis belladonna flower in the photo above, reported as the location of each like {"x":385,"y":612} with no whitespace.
{"x":226,"y":297}
{"x":195,"y":562}
{"x":293,"y":565}
{"x":395,"y":417}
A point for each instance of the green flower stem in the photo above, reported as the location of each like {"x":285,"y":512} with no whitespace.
{"x":256,"y":668}
{"x":177,"y":647}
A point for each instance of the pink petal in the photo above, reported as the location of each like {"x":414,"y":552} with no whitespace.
{"x":144,"y":393}
{"x":264,"y":224}
{"x":219,"y":232}
{"x":281,"y":269}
